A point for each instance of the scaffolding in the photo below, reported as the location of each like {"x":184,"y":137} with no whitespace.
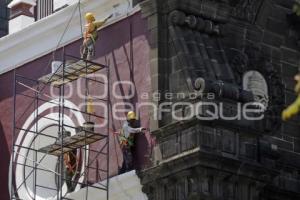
{"x":88,"y":142}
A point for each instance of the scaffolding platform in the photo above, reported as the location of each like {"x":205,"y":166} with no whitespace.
{"x":71,"y":72}
{"x":42,"y":144}
{"x":71,"y":143}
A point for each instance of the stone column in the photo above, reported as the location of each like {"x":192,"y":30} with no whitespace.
{"x":21,"y":14}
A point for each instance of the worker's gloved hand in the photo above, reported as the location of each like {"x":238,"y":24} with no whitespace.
{"x":143,"y":129}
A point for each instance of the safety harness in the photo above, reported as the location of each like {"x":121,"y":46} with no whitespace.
{"x":93,"y":34}
{"x":124,"y":141}
{"x":68,"y":162}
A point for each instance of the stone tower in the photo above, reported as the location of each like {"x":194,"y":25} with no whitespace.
{"x":239,"y":51}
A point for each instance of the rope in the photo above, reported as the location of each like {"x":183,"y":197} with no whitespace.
{"x":50,"y":61}
{"x":46,"y":68}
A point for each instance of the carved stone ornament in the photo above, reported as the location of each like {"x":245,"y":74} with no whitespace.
{"x":246,"y":9}
{"x":266,"y":84}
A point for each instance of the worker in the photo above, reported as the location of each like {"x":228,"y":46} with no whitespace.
{"x":90,"y":36}
{"x":70,"y":162}
{"x":294,"y":108}
{"x":126,"y":139}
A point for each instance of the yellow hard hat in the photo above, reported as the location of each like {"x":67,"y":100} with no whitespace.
{"x":131,"y":115}
{"x":90,"y":16}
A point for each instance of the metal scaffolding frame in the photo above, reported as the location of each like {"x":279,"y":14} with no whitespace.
{"x":78,"y":69}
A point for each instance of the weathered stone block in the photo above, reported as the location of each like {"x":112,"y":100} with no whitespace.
{"x":282,"y":144}
{"x":272,"y":39}
{"x":188,"y":139}
{"x":228,"y":142}
{"x":290,"y":56}
{"x":169,"y":147}
{"x":265,"y":10}
{"x":280,"y":13}
{"x":290,"y":97}
{"x":247,"y":147}
{"x":297,"y":145}
{"x":289,"y":83}
{"x":291,"y":40}
{"x":276,"y":58}
{"x":255,"y":35}
{"x":208,"y":137}
{"x":276,"y":26}
{"x":285,"y":3}
{"x":289,"y":70}
{"x":291,"y":129}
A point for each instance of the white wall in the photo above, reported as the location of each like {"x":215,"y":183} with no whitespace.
{"x":19,"y":23}
{"x":41,"y":37}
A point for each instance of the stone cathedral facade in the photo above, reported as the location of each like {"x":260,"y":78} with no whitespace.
{"x":241,"y":51}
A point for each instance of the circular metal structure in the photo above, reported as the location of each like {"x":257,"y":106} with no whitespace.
{"x":37,"y":174}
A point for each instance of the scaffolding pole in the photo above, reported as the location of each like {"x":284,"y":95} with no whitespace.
{"x":22,"y":86}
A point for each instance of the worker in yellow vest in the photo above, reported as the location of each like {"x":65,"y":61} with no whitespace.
{"x":294,"y":108}
{"x":126,"y":139}
{"x":90,"y":36}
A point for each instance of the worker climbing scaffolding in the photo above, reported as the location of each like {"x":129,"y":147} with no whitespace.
{"x":70,"y":165}
{"x":90,"y":36}
{"x":126,"y":138}
{"x":70,"y":162}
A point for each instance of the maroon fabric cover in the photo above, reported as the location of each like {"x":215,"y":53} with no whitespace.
{"x":124,"y":45}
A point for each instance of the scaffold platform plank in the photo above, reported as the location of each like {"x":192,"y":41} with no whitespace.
{"x":71,"y":143}
{"x":72,"y":72}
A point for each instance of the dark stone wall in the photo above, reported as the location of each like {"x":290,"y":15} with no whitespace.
{"x":4,"y":13}
{"x":219,"y":41}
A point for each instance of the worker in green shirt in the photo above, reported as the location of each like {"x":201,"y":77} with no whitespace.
{"x":90,"y":36}
{"x":126,"y":138}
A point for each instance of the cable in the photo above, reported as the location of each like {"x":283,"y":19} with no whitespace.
{"x":65,"y":30}
{"x":50,"y":61}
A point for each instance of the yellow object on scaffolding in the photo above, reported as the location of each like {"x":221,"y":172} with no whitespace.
{"x":90,"y":105}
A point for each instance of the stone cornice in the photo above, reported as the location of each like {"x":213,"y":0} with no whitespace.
{"x":199,"y":157}
{"x":16,"y":2}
